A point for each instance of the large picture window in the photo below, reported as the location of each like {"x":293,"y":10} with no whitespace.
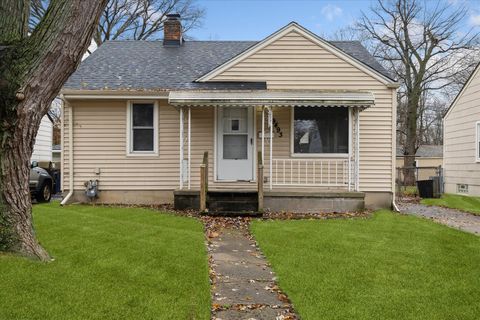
{"x":320,"y":130}
{"x":142,"y":128}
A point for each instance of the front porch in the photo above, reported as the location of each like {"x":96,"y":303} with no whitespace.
{"x":228,"y":201}
{"x":292,"y":151}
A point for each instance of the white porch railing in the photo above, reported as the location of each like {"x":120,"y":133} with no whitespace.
{"x":313,"y":172}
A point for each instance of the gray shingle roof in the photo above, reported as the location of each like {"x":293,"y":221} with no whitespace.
{"x":425,"y":151}
{"x":148,"y":65}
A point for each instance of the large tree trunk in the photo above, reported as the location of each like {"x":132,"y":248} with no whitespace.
{"x":32,"y":72}
{"x":411,"y":138}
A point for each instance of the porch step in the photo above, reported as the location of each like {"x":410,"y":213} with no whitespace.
{"x":232,"y":202}
{"x":234,"y":214}
{"x":220,"y":202}
{"x":245,"y":202}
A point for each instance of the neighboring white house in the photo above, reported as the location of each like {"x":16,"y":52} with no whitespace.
{"x":462,"y":140}
{"x":42,"y":150}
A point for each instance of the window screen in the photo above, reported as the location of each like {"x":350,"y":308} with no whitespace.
{"x":320,"y":130}
{"x":143,"y":129}
{"x":235,"y":146}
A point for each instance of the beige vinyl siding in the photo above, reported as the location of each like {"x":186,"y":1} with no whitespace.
{"x":295,"y":62}
{"x":100,"y":141}
{"x":459,"y":140}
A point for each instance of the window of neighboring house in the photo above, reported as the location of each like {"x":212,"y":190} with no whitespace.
{"x":477,"y":141}
{"x":462,"y":188}
{"x":143,"y":128}
{"x":320,"y":130}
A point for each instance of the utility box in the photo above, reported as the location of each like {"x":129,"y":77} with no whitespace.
{"x":425,"y":188}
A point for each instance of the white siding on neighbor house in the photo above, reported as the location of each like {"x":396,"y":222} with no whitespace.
{"x":295,"y":62}
{"x":42,"y":150}
{"x":460,"y":162}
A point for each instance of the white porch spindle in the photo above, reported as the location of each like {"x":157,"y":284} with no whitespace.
{"x":357,"y":150}
{"x":270,"y":124}
{"x":189,"y":134}
{"x":181,"y":147}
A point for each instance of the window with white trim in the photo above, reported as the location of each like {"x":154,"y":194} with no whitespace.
{"x":320,"y":130}
{"x":142,"y":128}
{"x":477,"y":141}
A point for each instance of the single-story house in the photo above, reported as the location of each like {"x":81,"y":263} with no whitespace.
{"x":427,"y":158}
{"x":461,"y":160}
{"x":42,"y":149}
{"x":318,"y":115}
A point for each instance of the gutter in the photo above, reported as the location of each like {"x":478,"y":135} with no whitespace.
{"x":70,"y":153}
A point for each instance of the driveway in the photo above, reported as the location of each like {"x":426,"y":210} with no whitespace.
{"x":450,"y":217}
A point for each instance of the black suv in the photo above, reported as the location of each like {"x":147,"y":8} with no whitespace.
{"x":41,"y":183}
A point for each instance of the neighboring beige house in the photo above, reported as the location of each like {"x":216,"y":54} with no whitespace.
{"x":462,"y":140}
{"x":427,"y":158}
{"x":139,"y":116}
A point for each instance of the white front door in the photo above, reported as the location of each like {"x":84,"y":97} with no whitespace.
{"x":235,"y":143}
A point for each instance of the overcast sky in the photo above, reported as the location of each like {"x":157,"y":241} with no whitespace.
{"x":256,"y":19}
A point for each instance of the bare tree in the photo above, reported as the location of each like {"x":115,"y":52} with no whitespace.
{"x":418,"y":42}
{"x":135,"y":19}
{"x":33,"y":69}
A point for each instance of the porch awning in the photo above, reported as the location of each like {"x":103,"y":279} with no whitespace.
{"x":272,"y":98}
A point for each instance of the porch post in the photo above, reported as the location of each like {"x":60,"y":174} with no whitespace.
{"x":357,"y":150}
{"x":350,"y":133}
{"x":270,"y":124}
{"x":181,"y":147}
{"x":189,"y":134}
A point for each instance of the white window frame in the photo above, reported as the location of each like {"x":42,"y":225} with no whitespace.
{"x":477,"y":141}
{"x":129,"y":146}
{"x":317,"y":155}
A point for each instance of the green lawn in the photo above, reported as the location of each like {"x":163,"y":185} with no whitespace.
{"x":455,"y":201}
{"x":389,"y":266}
{"x":110,"y":263}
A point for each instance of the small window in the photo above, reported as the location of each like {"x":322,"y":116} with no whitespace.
{"x":235,"y":124}
{"x":477,"y":141}
{"x":142,"y":128}
{"x":462,"y":188}
{"x":320,"y":130}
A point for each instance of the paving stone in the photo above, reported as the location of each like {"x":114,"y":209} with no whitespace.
{"x":245,"y":293}
{"x":249,"y":257}
{"x":244,"y":271}
{"x":257,"y":314}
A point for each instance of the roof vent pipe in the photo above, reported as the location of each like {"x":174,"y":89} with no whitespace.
{"x":172,"y":31}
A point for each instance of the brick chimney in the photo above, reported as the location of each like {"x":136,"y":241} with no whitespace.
{"x":172,"y":31}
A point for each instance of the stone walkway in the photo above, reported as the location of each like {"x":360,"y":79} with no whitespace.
{"x":450,"y":217}
{"x":243,"y":284}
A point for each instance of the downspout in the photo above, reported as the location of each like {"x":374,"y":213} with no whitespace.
{"x":394,"y":148}
{"x":70,"y":153}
